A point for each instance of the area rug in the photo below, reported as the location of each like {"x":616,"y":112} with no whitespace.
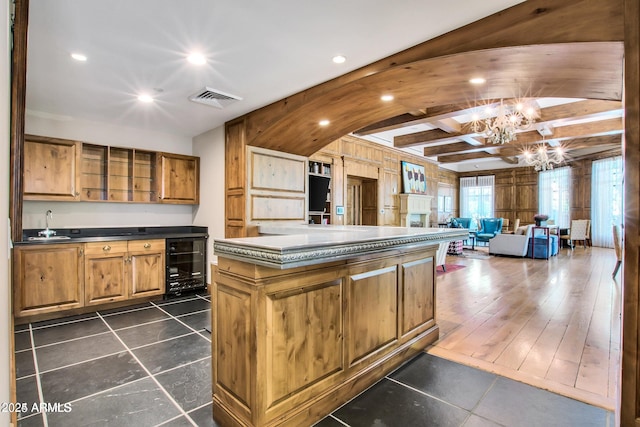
{"x":449,"y":267}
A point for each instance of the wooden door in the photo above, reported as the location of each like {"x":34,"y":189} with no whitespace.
{"x":47,"y":278}
{"x":362,"y":201}
{"x":354,"y":201}
{"x":370,"y":202}
{"x":50,"y":169}
{"x":146,"y":267}
{"x":105,"y":272}
{"x":179,"y":179}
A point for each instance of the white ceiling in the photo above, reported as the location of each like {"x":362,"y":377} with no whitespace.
{"x":261,"y":51}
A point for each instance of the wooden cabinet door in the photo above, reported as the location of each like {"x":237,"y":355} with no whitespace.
{"x":47,"y":278}
{"x":179,"y":179}
{"x":146,"y":267}
{"x":105,"y":272}
{"x":50,"y":169}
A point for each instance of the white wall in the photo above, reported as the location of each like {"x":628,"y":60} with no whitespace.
{"x":209,"y":146}
{"x":5,"y":288}
{"x":88,"y":214}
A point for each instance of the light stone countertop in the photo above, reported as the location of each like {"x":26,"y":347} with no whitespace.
{"x":293,"y":245}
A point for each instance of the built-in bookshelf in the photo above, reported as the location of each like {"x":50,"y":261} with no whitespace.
{"x":319,"y":213}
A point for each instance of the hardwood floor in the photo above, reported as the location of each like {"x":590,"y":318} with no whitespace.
{"x":553,"y":324}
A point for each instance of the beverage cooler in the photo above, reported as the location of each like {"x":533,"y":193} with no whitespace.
{"x":186,"y":260}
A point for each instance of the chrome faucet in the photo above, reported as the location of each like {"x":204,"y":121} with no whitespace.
{"x":46,"y":232}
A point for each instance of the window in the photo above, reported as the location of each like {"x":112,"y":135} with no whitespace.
{"x":554,"y":195}
{"x":476,"y":197}
{"x":606,"y":200}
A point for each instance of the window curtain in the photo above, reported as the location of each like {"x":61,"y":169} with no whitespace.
{"x":606,"y":200}
{"x":554,"y":195}
{"x":476,"y":197}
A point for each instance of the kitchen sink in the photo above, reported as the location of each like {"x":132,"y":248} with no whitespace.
{"x":49,"y":238}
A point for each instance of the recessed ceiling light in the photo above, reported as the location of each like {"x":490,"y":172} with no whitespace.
{"x":79,"y":57}
{"x":477,"y":80}
{"x":387,"y":98}
{"x":197,"y":59}
{"x":145,"y":98}
{"x":339,"y":59}
{"x":324,"y":122}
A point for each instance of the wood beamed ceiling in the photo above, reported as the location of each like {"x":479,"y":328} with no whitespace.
{"x":584,"y":124}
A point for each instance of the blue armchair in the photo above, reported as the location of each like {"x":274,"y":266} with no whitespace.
{"x":489,"y":228}
{"x":461,"y":222}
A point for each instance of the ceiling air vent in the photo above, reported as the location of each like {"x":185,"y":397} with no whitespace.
{"x":213,"y":98}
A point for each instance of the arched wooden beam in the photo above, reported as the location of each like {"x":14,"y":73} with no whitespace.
{"x":567,"y":70}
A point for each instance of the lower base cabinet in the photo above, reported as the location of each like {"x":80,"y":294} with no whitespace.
{"x":59,"y":277}
{"x":48,"y":278}
{"x":289,"y":346}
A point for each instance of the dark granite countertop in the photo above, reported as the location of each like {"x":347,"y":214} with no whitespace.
{"x":80,"y":235}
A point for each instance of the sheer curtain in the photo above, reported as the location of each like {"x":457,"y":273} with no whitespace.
{"x":476,"y":197}
{"x":606,"y":199}
{"x":554,"y":195}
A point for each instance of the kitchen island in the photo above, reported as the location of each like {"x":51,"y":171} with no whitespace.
{"x":306,"y":317}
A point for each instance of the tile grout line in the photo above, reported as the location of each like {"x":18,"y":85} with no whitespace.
{"x":45,"y":421}
{"x":138,"y":380}
{"x":426,"y":394}
{"x":178,"y":320}
{"x":82,"y":361}
{"x":67,"y":322}
{"x":338,"y":420}
{"x":171,"y":399}
{"x":70,"y":340}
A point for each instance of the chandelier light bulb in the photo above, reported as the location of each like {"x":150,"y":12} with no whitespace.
{"x":504,"y":122}
{"x":542,"y":159}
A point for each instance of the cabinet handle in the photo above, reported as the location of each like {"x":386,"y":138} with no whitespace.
{"x":147,"y":245}
{"x":81,"y":251}
{"x":77,"y":194}
{"x":106,"y":248}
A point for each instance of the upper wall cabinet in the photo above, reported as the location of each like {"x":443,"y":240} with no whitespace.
{"x":179,"y":179}
{"x":57,"y":169}
{"x":117,"y":174}
{"x":50,"y":168}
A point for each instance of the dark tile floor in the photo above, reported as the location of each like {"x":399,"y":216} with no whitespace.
{"x":150,"y":365}
{"x":146,"y":365}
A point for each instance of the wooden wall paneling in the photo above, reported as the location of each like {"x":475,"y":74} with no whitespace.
{"x":235,"y":178}
{"x":359,"y":149}
{"x":630,"y":388}
{"x":277,"y":187}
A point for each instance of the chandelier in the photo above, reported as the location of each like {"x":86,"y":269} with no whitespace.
{"x":541,"y":159}
{"x":509,"y":119}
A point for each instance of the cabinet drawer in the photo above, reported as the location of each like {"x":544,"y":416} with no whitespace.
{"x":105,"y":248}
{"x":152,"y":245}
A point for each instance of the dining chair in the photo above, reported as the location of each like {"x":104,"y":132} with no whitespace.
{"x":617,"y":245}
{"x":578,"y":232}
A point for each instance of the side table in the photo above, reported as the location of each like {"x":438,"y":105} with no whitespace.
{"x":545,"y":232}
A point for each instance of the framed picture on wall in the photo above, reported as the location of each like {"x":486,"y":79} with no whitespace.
{"x":413,"y":178}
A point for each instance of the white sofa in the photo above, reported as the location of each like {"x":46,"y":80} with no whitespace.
{"x":517,"y":244}
{"x":510,"y":244}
